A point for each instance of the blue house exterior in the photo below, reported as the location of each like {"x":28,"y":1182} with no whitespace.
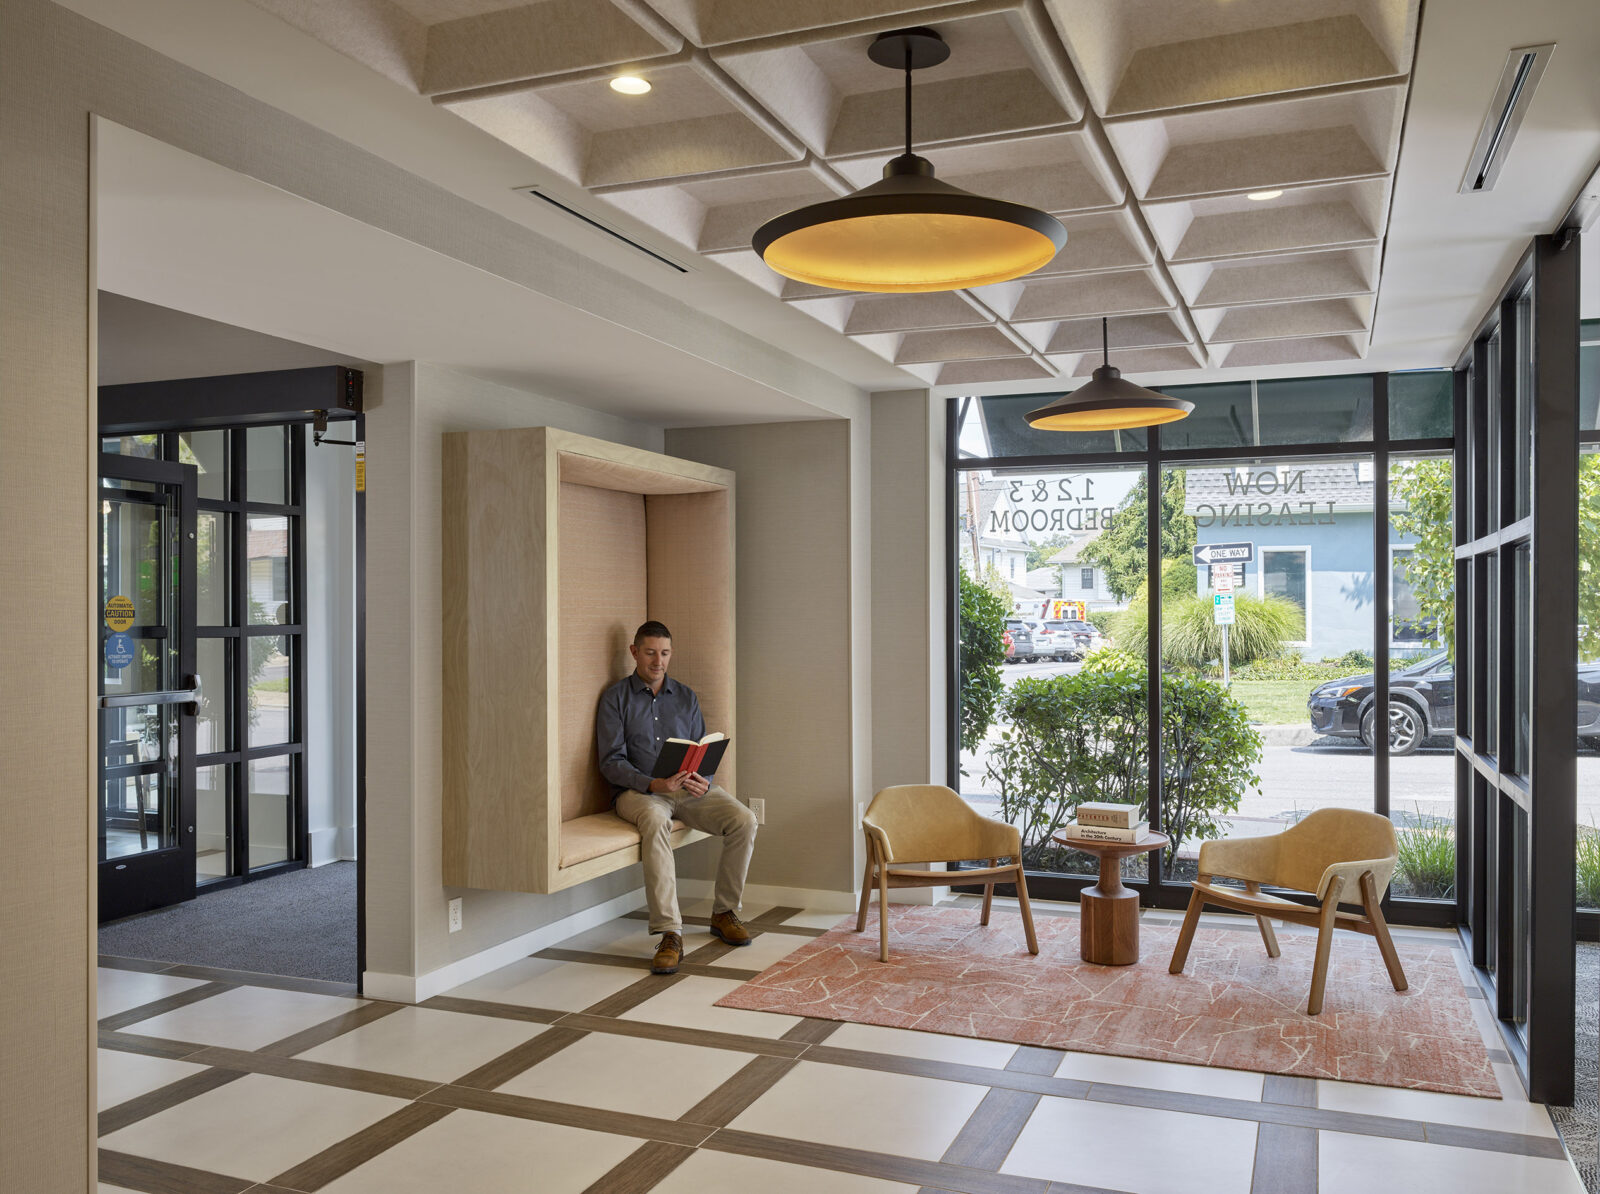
{"x":1310,"y":525}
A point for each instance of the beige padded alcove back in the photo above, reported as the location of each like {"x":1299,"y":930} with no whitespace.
{"x":602,"y":602}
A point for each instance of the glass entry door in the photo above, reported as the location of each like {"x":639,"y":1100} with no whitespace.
{"x":148,"y":685}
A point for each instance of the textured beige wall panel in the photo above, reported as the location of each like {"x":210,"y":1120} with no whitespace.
{"x":47,"y":680}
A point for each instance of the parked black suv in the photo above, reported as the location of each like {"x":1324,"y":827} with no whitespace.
{"x":1422,"y":704}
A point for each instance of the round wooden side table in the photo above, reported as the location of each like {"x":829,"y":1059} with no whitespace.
{"x":1108,"y":927}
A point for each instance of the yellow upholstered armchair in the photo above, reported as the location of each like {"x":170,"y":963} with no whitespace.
{"x":913,"y":823}
{"x":1335,"y":854}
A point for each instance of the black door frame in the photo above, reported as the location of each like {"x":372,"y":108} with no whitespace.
{"x":1522,"y":954}
{"x":237,"y":401}
{"x":155,"y":878}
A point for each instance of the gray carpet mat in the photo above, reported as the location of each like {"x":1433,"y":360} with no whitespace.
{"x":1579,"y":1124}
{"x":301,"y":924}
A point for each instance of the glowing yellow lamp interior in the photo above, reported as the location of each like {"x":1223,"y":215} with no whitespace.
{"x":909,"y":251}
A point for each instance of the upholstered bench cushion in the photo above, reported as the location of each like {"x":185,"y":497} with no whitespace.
{"x":583,"y":838}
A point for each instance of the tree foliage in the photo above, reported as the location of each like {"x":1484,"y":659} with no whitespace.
{"x":1039,"y":553}
{"x":983,"y":622}
{"x":1120,"y":548}
{"x":1426,"y":489}
{"x":1085,"y":736}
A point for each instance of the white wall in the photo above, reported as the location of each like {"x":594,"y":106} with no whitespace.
{"x":330,"y":696}
{"x":407,"y":930}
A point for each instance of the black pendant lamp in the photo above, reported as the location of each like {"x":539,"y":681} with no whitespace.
{"x":910,"y":232}
{"x":1108,"y":403}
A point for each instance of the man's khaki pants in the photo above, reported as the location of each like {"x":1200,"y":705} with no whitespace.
{"x":716,"y":813}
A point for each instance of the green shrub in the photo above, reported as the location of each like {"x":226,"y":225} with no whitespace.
{"x":1103,"y":619}
{"x":1191,"y":638}
{"x":1291,"y":667}
{"x":1427,"y":866}
{"x":1085,"y":736}
{"x":1588,"y":866}
{"x":982,"y":651}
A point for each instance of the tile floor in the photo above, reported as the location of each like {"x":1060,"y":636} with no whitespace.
{"x":577,"y":1070}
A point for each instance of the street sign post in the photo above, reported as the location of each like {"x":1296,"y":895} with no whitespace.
{"x":1224,"y":553}
{"x":1222,"y":611}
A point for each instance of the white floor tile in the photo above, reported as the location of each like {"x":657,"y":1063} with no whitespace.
{"x":632,"y":939}
{"x":420,"y":1042}
{"x":621,"y":1073}
{"x":245,"y":1017}
{"x":935,"y":1046}
{"x":475,"y":1152}
{"x":688,"y":1003}
{"x":762,"y":951}
{"x":1161,"y":1075}
{"x":869,"y":1109}
{"x":122,"y":990}
{"x":1529,"y":1119}
{"x":543,"y":982}
{"x":122,"y":1076}
{"x":1350,"y":1162}
{"x":708,"y":1172}
{"x":255,"y":1127}
{"x":819,"y":920}
{"x":1135,"y":1148}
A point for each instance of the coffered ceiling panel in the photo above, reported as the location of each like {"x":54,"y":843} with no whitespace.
{"x":1222,"y":167}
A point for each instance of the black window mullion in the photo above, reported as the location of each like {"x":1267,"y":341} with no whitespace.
{"x":239,"y":595}
{"x":1381,"y":593}
{"x":1156,"y":866}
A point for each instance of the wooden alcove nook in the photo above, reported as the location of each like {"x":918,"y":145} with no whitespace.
{"x":556,"y":547}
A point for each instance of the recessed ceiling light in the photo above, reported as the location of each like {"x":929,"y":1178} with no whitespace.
{"x":630,"y":85}
{"x":1258,"y":196}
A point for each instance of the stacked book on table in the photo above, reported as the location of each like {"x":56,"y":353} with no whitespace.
{"x":1100,"y":822}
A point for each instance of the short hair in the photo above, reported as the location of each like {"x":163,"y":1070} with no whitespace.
{"x":651,"y":629}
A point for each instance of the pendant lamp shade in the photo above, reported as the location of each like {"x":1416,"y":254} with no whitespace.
{"x":1108,"y":402}
{"x":909,"y":232}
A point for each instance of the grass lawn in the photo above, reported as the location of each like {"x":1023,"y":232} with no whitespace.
{"x":1275,"y":702}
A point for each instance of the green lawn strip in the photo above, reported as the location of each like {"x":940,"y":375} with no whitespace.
{"x":1275,"y":702}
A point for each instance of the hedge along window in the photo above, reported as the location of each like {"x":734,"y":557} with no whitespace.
{"x":1039,"y":733}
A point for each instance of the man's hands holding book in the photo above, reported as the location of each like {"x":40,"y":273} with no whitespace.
{"x":683,"y":781}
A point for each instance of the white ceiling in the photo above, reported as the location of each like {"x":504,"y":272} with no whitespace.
{"x":180,"y":232}
{"x":1093,"y":107}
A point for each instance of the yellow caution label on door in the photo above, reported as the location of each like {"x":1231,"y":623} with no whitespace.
{"x":361,"y":466}
{"x":119,"y":614}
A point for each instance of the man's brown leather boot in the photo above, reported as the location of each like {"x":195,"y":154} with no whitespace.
{"x":668,"y":954}
{"x":730,"y":928}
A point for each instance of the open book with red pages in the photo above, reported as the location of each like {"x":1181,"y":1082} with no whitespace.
{"x":684,"y":754}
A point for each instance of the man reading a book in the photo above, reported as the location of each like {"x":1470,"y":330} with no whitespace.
{"x":636,"y":718}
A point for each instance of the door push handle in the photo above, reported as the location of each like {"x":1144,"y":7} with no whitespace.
{"x":188,"y":697}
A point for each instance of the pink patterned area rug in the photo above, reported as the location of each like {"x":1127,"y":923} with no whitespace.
{"x":1233,"y":1006}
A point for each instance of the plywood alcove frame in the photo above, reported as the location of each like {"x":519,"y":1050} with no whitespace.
{"x":520,"y":686}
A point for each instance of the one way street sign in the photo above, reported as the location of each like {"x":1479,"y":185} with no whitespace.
{"x":1224,"y":553}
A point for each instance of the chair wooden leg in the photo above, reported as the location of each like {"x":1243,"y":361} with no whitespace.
{"x":1319,"y":970}
{"x":1380,"y":930}
{"x":988,"y":896}
{"x":866,"y":891}
{"x":1268,"y":937}
{"x":883,"y":913}
{"x":1191,"y":921}
{"x":1027,"y":909}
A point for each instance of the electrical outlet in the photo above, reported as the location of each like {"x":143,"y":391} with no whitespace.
{"x":759,"y":808}
{"x":455,"y":915}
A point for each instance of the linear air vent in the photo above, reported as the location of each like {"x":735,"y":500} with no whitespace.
{"x":1511,"y":99}
{"x":536,"y":193}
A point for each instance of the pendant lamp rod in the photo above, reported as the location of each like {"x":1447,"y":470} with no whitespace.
{"x":908,"y":97}
{"x":1105,"y":341}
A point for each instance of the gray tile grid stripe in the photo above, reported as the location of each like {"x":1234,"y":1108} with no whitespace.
{"x":1287,"y":1115}
{"x":690,"y":964}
